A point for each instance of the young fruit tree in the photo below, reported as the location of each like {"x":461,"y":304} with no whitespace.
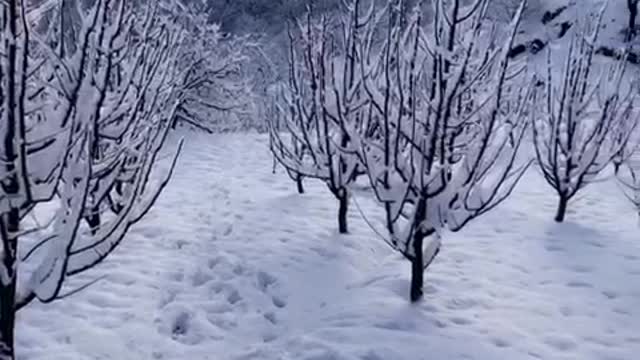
{"x":293,"y":151}
{"x":319,"y":102}
{"x":625,"y":139}
{"x":581,"y":108}
{"x":82,"y":128}
{"x":439,"y":149}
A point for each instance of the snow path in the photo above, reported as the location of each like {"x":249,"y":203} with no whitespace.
{"x":232,"y":264}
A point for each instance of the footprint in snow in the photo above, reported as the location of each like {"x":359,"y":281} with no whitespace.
{"x":178,"y":323}
{"x":271,"y":317}
{"x":181,"y":243}
{"x":279,"y":302}
{"x":554,"y":248}
{"x":461,"y":321}
{"x":234,"y":297}
{"x":579,"y":284}
{"x":200,"y":278}
{"x":265,"y":280}
{"x":500,"y":342}
{"x":560,"y":343}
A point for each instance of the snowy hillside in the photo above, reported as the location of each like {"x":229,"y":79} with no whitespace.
{"x":232,"y":264}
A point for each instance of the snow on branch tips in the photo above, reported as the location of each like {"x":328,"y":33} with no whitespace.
{"x":86,"y":108}
{"x":586,"y":118}
{"x":439,"y":143}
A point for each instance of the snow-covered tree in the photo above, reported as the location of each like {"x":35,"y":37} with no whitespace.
{"x":584,"y":117}
{"x":625,"y":139}
{"x":319,"y":103}
{"x":215,"y":90}
{"x":82,"y":128}
{"x":439,"y":147}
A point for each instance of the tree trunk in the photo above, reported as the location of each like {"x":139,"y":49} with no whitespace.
{"x":417,"y":260}
{"x":7,"y":319}
{"x":93,"y":220}
{"x":417,"y":268}
{"x":9,"y":227}
{"x":299,"y":184}
{"x":343,"y":199}
{"x":633,"y":14}
{"x":562,"y":209}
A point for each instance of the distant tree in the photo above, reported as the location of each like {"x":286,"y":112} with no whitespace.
{"x":317,"y":106}
{"x":215,"y":90}
{"x":575,"y":128}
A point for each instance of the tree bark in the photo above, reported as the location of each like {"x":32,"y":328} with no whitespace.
{"x":343,"y":199}
{"x":417,"y":268}
{"x":562,"y":209}
{"x":633,"y":14}
{"x":93,"y":220}
{"x":299,"y":184}
{"x":9,"y":227}
{"x":616,"y":167}
{"x":417,"y":260}
{"x":7,"y":319}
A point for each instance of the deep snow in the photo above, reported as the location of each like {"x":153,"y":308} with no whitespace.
{"x":233,"y":264}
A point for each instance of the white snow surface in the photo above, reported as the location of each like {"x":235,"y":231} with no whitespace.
{"x":233,"y":264}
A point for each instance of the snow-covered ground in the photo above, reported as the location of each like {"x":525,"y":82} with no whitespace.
{"x":233,"y":264}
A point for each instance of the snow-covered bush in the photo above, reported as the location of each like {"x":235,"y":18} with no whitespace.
{"x":318,"y":104}
{"x":439,"y":147}
{"x":584,"y":117}
{"x":86,"y":108}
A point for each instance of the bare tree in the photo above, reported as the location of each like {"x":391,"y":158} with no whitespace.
{"x":439,"y":149}
{"x":574,"y":133}
{"x":82,"y":129}
{"x":625,"y":139}
{"x":319,"y":103}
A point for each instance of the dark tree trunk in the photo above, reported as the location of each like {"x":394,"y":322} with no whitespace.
{"x":417,"y":268}
{"x":94,"y":220}
{"x":299,"y":184}
{"x":417,"y":260}
{"x":562,"y":209}
{"x":343,"y":199}
{"x":616,"y":167}
{"x":633,"y":14}
{"x":7,"y":319}
{"x":9,"y":227}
